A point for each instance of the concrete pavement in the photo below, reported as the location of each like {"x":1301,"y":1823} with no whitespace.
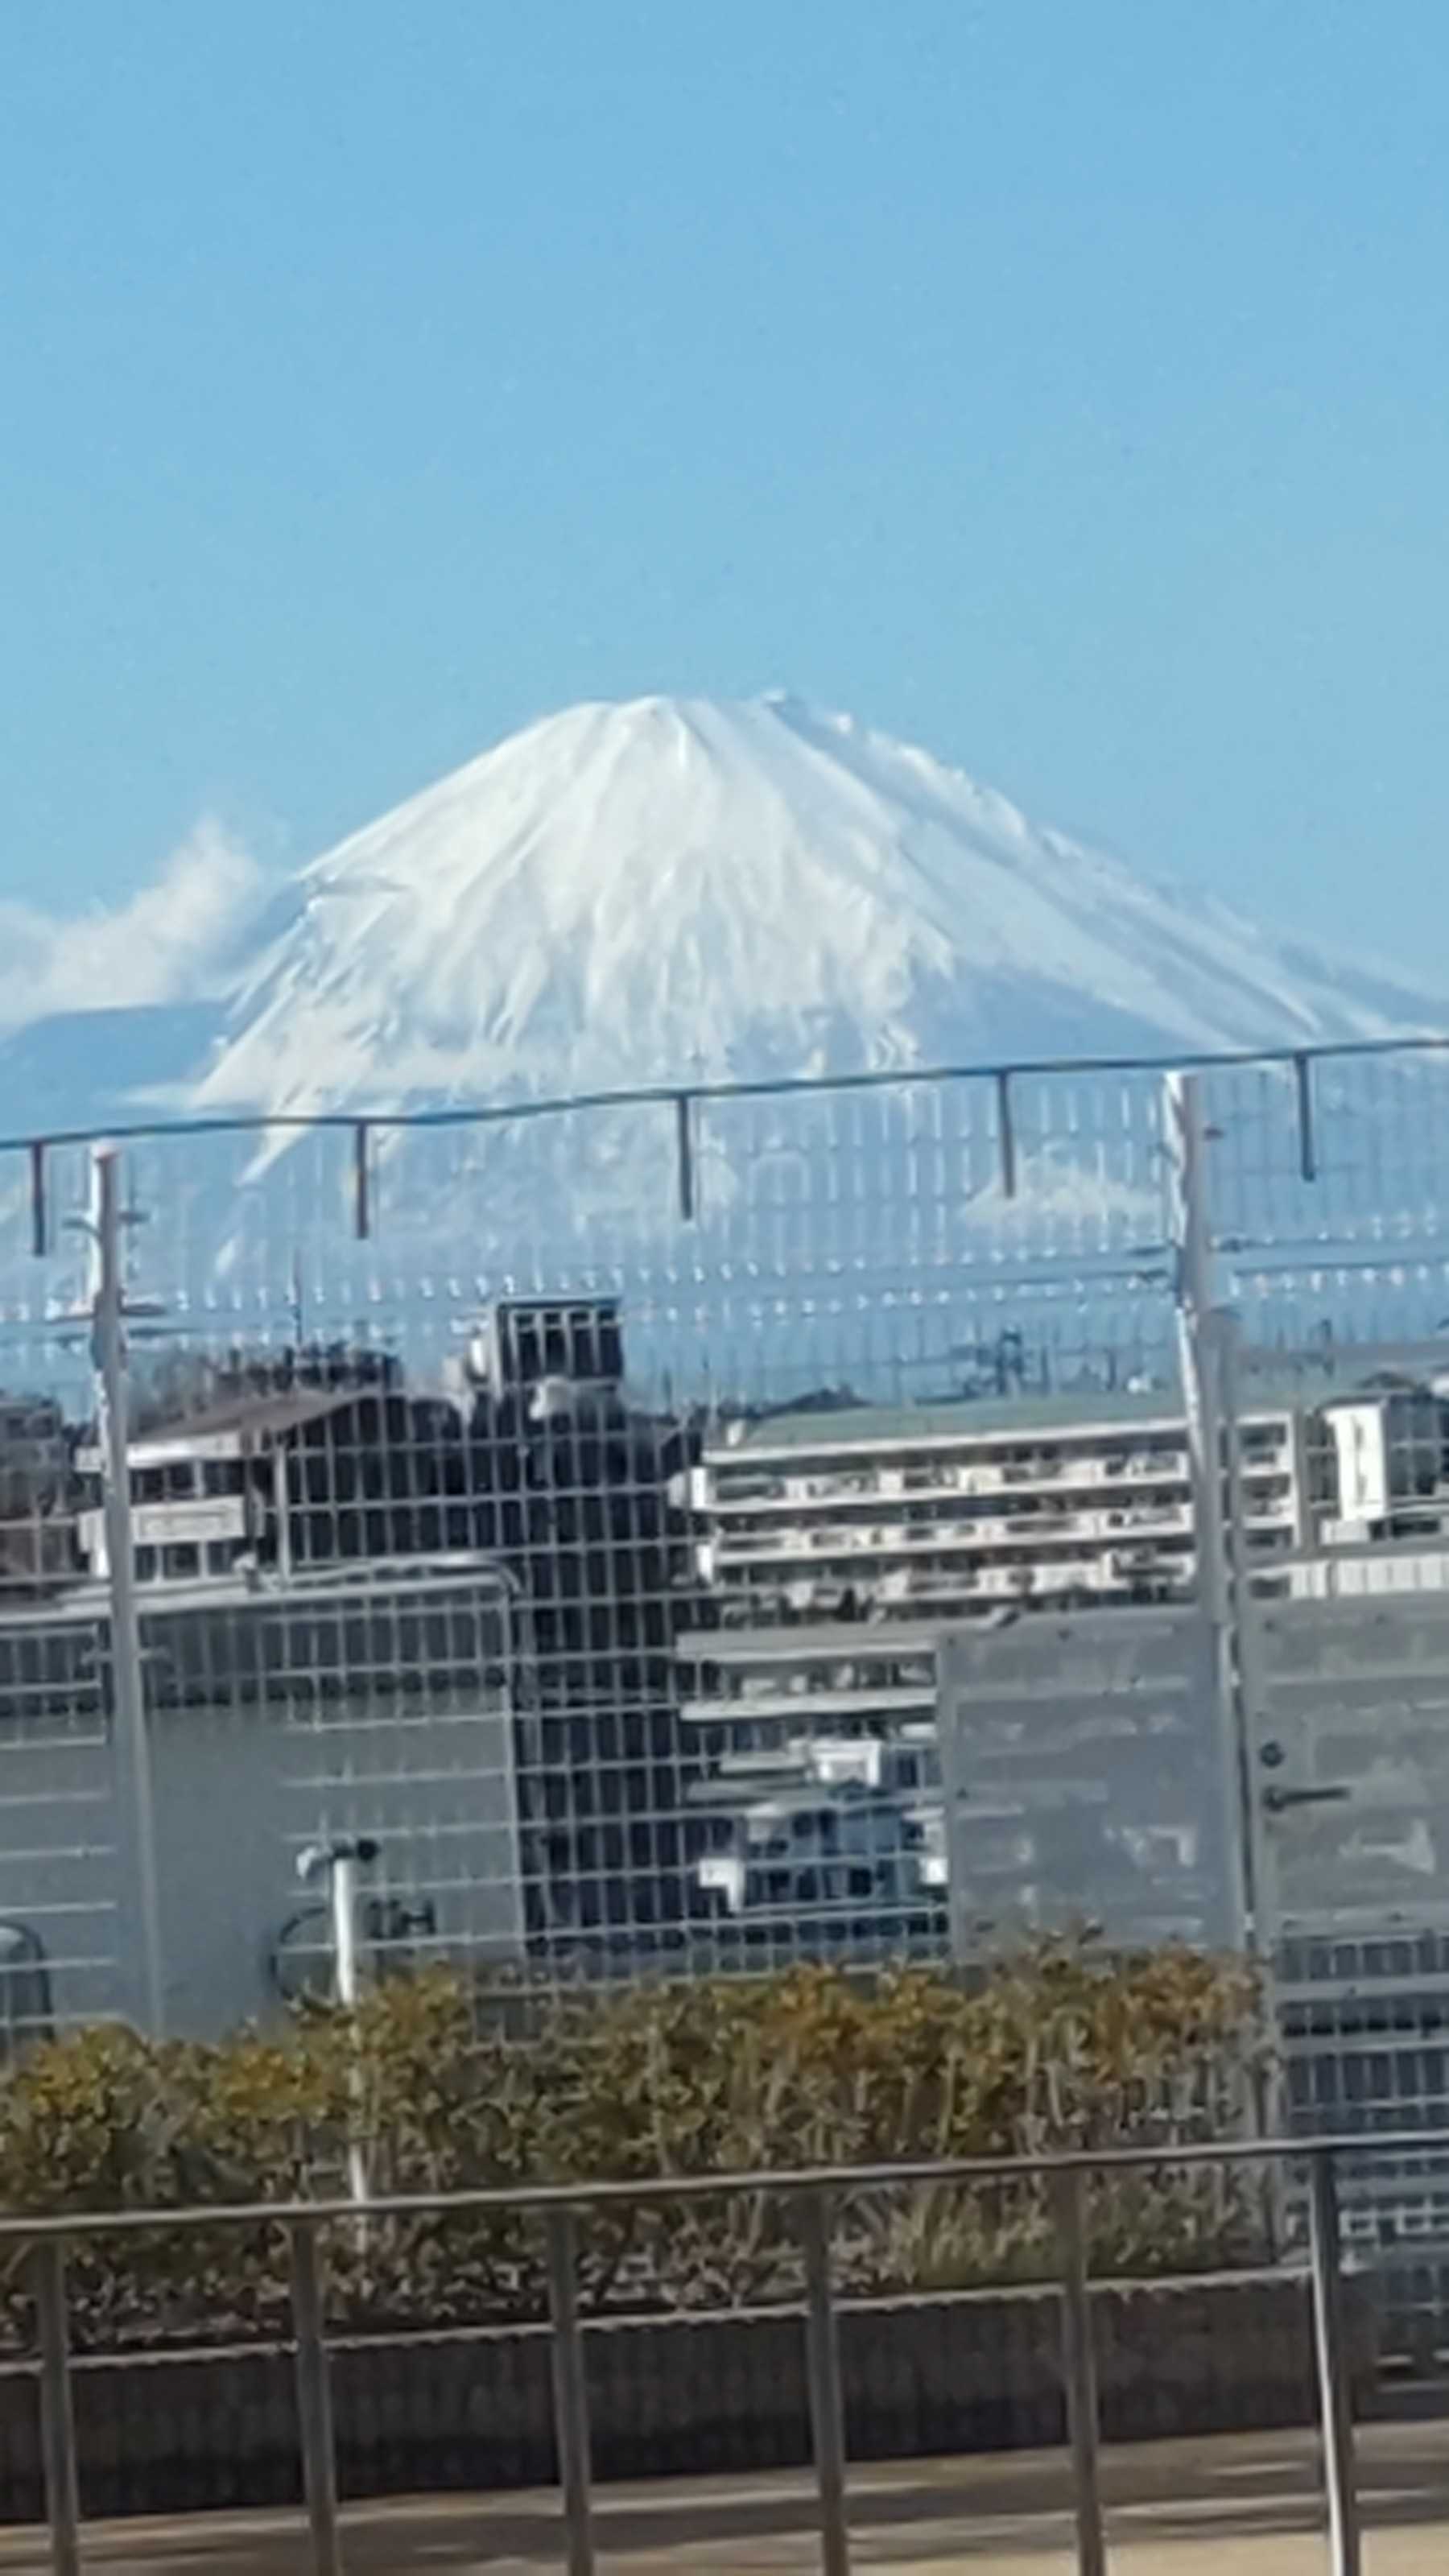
{"x":1245,"y":2506}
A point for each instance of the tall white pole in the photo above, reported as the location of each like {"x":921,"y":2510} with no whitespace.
{"x":1198,"y":1349}
{"x":1197,"y":1352}
{"x":128,"y":1687}
{"x":1208,"y":1335}
{"x":1246,"y":1638}
{"x":1260,"y":1858}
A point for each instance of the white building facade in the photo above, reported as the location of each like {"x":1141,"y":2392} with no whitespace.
{"x":832,"y":1550}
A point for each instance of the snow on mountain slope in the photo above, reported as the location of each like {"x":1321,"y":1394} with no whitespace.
{"x":678,"y":889}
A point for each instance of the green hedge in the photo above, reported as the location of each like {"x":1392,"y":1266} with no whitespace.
{"x":1054,"y":2049}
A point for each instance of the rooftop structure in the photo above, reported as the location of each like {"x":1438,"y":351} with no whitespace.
{"x":211,"y":1488}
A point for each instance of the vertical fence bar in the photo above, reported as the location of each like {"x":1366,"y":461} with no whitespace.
{"x":1307,"y":1143}
{"x":684,"y":1141}
{"x":570,"y":2391}
{"x":361,"y":1181}
{"x":38,"y":1226}
{"x":1079,"y":2370}
{"x":1006,"y":1135}
{"x":1335,"y":2396}
{"x":314,"y":2399}
{"x":57,"y":2414}
{"x":822,"y":2364}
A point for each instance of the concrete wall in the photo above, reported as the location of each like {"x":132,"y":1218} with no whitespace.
{"x":679,"y":2396}
{"x":240,"y":1792}
{"x":274,"y":1722}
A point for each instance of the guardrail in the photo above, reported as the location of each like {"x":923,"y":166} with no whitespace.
{"x":811,"y":2192}
{"x":364,"y":1126}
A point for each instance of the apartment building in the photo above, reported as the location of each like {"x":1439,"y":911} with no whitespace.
{"x":953,"y":1511}
{"x":831,"y":1550}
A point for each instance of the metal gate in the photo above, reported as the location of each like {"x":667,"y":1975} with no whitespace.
{"x":1086,"y":1780}
{"x":1349,"y":1778}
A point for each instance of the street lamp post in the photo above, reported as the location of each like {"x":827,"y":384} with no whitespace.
{"x":335,"y":1865}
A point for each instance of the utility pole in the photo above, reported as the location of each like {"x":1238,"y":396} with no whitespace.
{"x":1200,"y":1344}
{"x":107,"y":1303}
{"x":1209,"y":1353}
{"x":1191,"y":1239}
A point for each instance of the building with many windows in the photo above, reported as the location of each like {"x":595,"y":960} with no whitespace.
{"x":833,"y":1547}
{"x":954,"y":1510}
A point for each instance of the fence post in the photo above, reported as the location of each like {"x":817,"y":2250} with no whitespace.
{"x":684,"y":1143}
{"x":131,"y":1721}
{"x":1335,"y":2397}
{"x":1079,"y":2369}
{"x":314,"y":2399}
{"x":570,"y":2391}
{"x":822,"y":2365}
{"x":1006,"y":1135}
{"x":38,"y":1229}
{"x":361,"y":1181}
{"x":1307,"y":1144}
{"x":57,"y":2415}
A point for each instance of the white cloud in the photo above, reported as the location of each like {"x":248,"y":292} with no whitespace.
{"x":177,"y":939}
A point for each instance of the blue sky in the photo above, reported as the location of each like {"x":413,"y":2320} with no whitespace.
{"x":1063,"y":383}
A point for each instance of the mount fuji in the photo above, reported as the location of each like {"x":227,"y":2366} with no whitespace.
{"x":690,"y":891}
{"x":672,"y":894}
{"x":668,"y":893}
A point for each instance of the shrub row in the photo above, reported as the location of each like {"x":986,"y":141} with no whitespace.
{"x":1052,"y":2050}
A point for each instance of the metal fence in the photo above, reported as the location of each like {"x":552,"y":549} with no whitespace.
{"x":812,"y":2198}
{"x":550,"y":1516}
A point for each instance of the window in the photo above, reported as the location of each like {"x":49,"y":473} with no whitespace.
{"x":182,"y":1563}
{"x":145,"y":1565}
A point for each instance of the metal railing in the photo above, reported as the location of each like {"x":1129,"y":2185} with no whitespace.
{"x":810,"y":2194}
{"x":1302,"y":1131}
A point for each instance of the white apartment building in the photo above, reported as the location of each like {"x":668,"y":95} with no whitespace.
{"x":951,"y":1511}
{"x":833,"y":1547}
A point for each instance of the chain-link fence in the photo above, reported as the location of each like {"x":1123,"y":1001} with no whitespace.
{"x":550,"y":1516}
{"x":526,"y":1357}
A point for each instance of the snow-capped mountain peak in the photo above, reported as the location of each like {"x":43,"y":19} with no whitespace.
{"x":680,"y":889}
